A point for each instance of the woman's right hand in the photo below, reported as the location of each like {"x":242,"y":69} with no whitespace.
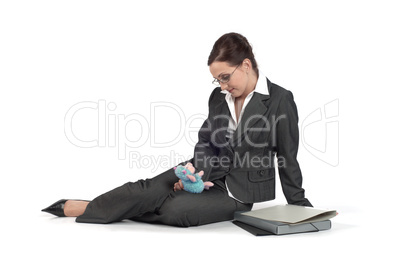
{"x":178,"y":186}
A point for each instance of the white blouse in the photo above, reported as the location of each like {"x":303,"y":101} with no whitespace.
{"x":261,"y":87}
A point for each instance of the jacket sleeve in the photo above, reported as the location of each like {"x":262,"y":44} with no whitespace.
{"x":204,"y":150}
{"x":287,"y":137}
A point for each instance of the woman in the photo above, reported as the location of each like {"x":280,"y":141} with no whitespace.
{"x":250,"y":121}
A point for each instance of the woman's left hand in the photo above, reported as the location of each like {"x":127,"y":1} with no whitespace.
{"x":178,"y":186}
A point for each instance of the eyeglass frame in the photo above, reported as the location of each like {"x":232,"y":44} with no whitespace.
{"x":219,"y":82}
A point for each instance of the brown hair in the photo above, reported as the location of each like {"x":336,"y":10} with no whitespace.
{"x":232,"y":48}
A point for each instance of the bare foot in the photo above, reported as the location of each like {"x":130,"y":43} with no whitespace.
{"x":74,"y":208}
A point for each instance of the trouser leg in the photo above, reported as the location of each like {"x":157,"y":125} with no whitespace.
{"x":130,"y":199}
{"x":153,"y":200}
{"x":185,"y":209}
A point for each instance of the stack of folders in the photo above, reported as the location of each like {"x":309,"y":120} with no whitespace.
{"x":284,"y":219}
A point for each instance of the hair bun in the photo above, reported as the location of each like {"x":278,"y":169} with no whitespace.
{"x":232,"y":48}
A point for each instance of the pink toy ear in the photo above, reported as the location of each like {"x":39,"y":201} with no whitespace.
{"x":191,"y":177}
{"x":201,"y":173}
{"x":184,"y":172}
{"x":175,"y":168}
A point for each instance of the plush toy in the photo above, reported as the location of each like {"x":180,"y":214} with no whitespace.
{"x":191,"y":182}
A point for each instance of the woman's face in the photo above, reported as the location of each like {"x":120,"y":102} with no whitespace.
{"x":239,"y":83}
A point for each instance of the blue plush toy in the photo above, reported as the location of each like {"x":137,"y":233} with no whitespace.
{"x":191,"y":182}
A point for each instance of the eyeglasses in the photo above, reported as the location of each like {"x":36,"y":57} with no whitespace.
{"x":225,"y":78}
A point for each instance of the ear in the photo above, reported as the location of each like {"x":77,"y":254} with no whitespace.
{"x":247,"y":66}
{"x":191,"y":178}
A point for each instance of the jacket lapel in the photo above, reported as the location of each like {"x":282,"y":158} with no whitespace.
{"x":252,"y":114}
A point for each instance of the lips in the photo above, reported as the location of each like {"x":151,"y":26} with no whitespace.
{"x":231,"y":90}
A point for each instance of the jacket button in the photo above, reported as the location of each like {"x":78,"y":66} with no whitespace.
{"x":262,"y":172}
{"x":226,"y":169}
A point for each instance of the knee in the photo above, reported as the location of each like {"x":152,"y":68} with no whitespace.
{"x":175,"y":212}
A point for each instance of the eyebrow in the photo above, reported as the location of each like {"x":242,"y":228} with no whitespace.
{"x":220,"y":74}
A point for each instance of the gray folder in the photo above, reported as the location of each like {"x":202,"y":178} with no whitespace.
{"x":284,"y":219}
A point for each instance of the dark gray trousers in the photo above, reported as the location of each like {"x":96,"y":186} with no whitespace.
{"x":154,"y":201}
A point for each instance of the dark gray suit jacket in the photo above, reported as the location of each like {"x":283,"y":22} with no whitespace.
{"x":268,"y":128}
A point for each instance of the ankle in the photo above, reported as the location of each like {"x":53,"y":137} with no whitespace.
{"x":75,"y":208}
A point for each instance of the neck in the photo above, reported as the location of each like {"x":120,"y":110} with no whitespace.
{"x":253,"y":78}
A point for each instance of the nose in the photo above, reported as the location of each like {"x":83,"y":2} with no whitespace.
{"x":224,"y":86}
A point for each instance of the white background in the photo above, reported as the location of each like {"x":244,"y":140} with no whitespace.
{"x":55,"y":54}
